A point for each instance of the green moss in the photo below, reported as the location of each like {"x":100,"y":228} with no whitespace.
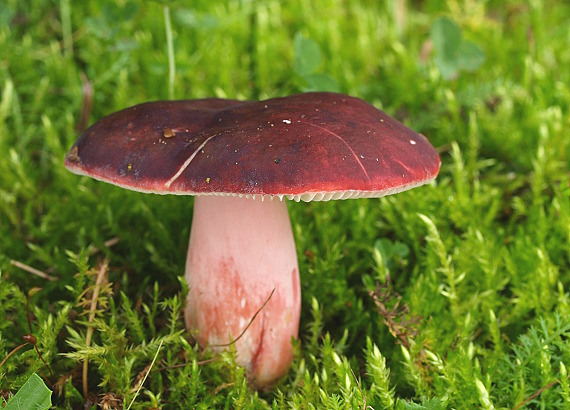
{"x":473,"y":270}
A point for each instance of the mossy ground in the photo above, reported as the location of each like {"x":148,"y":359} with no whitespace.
{"x":476,"y":311}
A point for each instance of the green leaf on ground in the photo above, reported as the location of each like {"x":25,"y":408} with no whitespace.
{"x":307,"y":60}
{"x":452,"y":53}
{"x":307,"y":55}
{"x":34,"y":394}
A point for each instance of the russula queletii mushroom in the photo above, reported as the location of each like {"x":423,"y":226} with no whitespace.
{"x":241,"y":159}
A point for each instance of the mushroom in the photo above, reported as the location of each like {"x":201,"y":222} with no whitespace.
{"x":242,"y":159}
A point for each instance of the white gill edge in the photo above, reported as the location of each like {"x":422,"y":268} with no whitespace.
{"x":305,"y":197}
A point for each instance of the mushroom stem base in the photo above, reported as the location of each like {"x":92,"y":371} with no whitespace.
{"x":240,"y":251}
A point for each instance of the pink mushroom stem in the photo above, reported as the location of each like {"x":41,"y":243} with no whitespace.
{"x":240,"y":250}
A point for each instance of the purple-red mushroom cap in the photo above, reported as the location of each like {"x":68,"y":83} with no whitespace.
{"x":314,"y":146}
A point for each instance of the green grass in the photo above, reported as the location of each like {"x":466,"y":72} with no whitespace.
{"x":480,"y":258}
